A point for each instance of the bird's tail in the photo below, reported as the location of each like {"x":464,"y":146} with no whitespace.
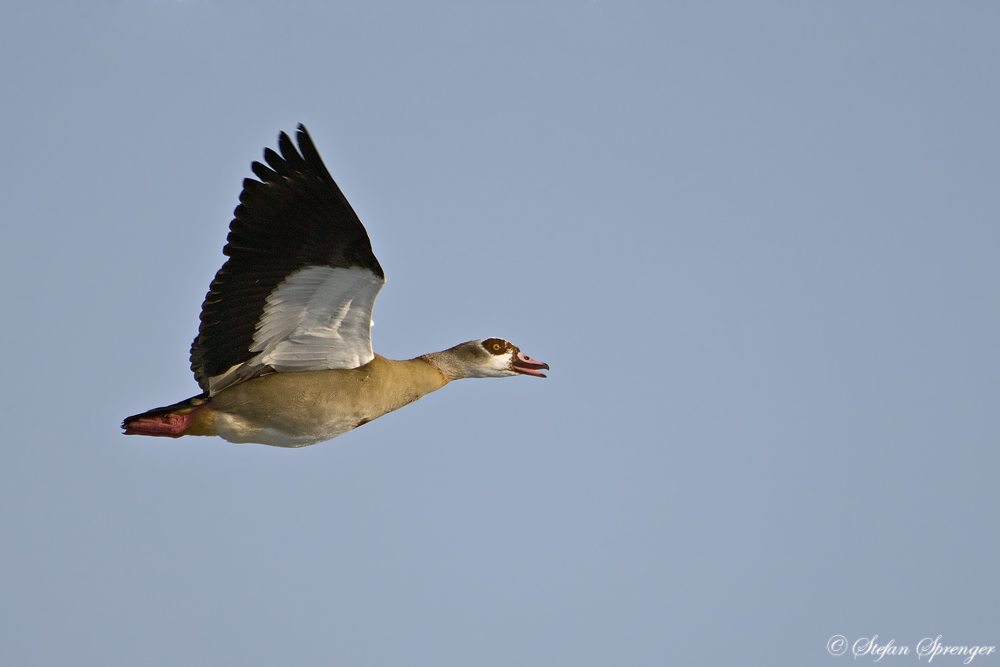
{"x":172,"y":421}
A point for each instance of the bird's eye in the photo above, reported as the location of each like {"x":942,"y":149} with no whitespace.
{"x":495,"y":346}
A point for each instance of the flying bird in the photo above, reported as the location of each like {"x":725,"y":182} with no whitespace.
{"x":283,"y":354}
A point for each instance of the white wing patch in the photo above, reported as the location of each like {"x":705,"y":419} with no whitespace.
{"x":318,"y":318}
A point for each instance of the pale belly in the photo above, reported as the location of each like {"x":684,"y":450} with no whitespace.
{"x":236,"y":429}
{"x":300,"y":409}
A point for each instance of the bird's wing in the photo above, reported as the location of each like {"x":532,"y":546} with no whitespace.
{"x":297,"y":291}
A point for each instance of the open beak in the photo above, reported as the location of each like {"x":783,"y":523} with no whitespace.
{"x":525,"y":364}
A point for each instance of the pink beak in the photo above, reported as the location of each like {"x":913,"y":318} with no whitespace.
{"x":522,"y":363}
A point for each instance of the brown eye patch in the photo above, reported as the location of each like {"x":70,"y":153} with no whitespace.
{"x":495,"y":346}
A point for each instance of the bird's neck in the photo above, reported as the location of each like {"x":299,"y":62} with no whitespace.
{"x":450,"y":365}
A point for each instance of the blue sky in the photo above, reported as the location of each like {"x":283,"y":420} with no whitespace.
{"x":756,"y":244}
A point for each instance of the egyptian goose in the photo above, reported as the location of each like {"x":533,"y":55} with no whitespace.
{"x":283,"y":354}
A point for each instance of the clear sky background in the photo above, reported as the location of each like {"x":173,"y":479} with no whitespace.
{"x":757,"y":243}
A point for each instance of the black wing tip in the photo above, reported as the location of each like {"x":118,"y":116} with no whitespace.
{"x":287,"y":159}
{"x":291,"y":158}
{"x":308,"y":150}
{"x":302,"y":136}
